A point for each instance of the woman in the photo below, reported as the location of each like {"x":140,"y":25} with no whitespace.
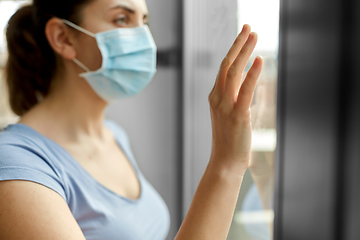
{"x":65,"y":172}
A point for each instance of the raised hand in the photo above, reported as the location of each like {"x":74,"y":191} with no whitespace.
{"x":230,"y":101}
{"x":211,"y":211}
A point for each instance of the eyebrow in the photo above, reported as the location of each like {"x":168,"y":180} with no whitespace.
{"x":128,"y":9}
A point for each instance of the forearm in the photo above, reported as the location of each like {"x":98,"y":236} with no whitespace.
{"x":211,"y":211}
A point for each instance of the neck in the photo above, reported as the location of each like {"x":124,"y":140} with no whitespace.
{"x":73,"y":108}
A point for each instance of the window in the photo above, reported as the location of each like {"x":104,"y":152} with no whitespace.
{"x":254,"y":214}
{"x":210,"y":27}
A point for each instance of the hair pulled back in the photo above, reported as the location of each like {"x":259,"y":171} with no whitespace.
{"x":32,"y":63}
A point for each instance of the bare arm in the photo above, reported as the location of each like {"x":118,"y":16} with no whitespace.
{"x":32,"y":211}
{"x":213,"y":205}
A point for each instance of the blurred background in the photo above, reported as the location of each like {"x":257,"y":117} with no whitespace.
{"x":303,"y":176}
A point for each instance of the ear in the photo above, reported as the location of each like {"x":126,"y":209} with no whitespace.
{"x":60,"y":38}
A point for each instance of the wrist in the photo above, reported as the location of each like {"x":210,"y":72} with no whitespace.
{"x":228,"y":167}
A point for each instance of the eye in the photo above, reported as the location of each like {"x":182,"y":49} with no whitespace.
{"x":122,"y":20}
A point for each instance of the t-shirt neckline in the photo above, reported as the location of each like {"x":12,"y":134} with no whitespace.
{"x":128,"y":156}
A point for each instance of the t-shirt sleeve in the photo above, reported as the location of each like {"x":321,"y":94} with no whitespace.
{"x":19,"y":162}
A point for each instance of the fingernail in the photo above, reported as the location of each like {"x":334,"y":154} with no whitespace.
{"x":251,"y":36}
{"x":257,"y":59}
{"x":243,"y":28}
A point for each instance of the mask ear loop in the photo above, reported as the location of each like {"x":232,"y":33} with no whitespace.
{"x":80,"y":64}
{"x":79,"y":28}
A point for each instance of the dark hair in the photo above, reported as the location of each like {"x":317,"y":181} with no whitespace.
{"x":32,"y":63}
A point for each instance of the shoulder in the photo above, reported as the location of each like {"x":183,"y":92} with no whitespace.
{"x":19,"y":135}
{"x":122,"y":139}
{"x":114,"y":126}
{"x":23,"y":156}
{"x":119,"y":132}
{"x":18,"y":141}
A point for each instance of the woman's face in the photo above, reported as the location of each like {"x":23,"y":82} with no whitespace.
{"x":104,"y":15}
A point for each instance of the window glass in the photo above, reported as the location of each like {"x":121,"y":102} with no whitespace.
{"x":254,"y":215}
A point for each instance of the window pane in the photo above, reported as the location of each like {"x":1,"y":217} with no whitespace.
{"x":254,"y":215}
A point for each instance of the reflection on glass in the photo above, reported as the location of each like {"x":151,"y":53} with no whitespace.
{"x":254,"y":215}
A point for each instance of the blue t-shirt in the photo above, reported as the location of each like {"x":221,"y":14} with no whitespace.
{"x":101,"y":214}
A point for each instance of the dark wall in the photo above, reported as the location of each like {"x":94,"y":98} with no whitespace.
{"x":318,"y":109}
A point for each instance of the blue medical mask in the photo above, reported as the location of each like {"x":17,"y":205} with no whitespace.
{"x":128,"y":61}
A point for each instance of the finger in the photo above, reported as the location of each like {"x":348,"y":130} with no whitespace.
{"x":231,"y":56}
{"x":235,"y":72}
{"x":246,"y":91}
